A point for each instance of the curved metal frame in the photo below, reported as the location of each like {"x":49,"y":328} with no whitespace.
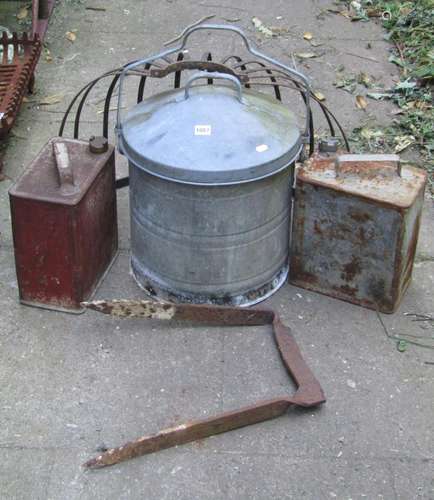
{"x":218,"y":27}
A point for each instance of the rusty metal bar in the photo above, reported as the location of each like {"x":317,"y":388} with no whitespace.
{"x":192,"y":431}
{"x":41,"y":12}
{"x":308,"y":394}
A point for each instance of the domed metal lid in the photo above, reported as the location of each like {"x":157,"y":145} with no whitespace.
{"x":211,"y":134}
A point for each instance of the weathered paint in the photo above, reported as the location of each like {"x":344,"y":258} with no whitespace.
{"x":133,"y":309}
{"x":355,"y":228}
{"x":64,"y":240}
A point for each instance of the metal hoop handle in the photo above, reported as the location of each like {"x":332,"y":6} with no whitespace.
{"x":221,"y":76}
{"x":218,"y":27}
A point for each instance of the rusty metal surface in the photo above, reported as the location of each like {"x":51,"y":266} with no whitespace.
{"x":41,"y":12}
{"x":308,"y":393}
{"x":191,"y":65}
{"x":16,"y":75}
{"x":355,"y":228}
{"x":64,"y":224}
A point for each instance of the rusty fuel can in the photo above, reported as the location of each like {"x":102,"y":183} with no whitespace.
{"x":355,"y":228}
{"x":64,"y":223}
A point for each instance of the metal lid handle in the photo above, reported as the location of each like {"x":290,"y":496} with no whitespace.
{"x":221,"y":76}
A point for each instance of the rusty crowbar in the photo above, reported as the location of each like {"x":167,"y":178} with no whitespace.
{"x":308,"y":393}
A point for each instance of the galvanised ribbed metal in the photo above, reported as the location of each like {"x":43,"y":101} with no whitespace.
{"x":211,"y":171}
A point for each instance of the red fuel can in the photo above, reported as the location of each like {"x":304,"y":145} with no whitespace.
{"x":64,"y":223}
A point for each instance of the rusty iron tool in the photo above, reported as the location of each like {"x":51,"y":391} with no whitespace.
{"x":308,"y":393}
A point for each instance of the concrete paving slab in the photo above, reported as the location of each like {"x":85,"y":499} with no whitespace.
{"x":197,"y":474}
{"x":71,"y":384}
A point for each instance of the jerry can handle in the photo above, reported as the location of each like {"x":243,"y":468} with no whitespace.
{"x":64,"y":168}
{"x":368,"y":165}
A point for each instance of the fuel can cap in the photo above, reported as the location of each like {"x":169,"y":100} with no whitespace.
{"x":98,"y":144}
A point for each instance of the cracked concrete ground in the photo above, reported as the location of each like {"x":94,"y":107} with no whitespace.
{"x":69,"y":384}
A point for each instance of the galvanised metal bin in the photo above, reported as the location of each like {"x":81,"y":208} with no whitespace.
{"x":211,"y":170}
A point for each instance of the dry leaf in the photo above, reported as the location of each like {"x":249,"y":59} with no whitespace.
{"x":260,"y":26}
{"x":373,"y":12}
{"x":403,"y":142}
{"x":364,"y":79}
{"x":370,"y":134}
{"x":22,"y":13}
{"x":51,"y":99}
{"x":422,"y":105}
{"x":71,"y":36}
{"x":278,"y":30}
{"x":361,"y":102}
{"x":319,"y":96}
{"x":48,"y":56}
{"x":308,"y":35}
{"x":306,"y":55}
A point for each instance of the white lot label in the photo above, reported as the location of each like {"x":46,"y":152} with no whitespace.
{"x":261,"y":148}
{"x":202,"y":130}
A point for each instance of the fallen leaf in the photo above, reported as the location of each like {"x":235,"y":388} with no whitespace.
{"x":401,"y":346}
{"x":278,"y":30}
{"x":361,"y":102}
{"x":364,"y":79}
{"x":422,"y":105}
{"x":403,"y":142}
{"x":71,"y":36}
{"x":98,"y":9}
{"x":378,"y":95}
{"x":232,"y":19}
{"x":396,"y":60}
{"x":372,"y":12}
{"x":48,"y":56}
{"x":306,"y":55}
{"x":368,"y":133}
{"x":260,"y":26}
{"x":333,"y":10}
{"x":51,"y":99}
{"x":22,"y":13}
{"x":308,"y":35}
{"x":315,"y":44}
{"x":319,"y":96}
